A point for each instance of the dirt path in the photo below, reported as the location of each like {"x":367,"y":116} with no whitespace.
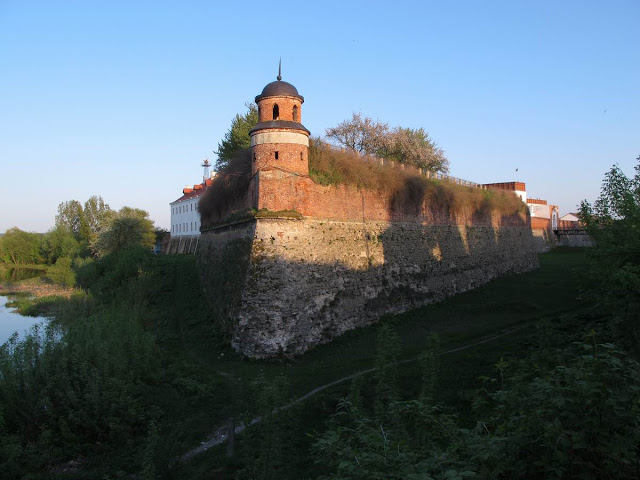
{"x":220,"y":435}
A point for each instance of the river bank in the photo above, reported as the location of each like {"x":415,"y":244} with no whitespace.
{"x":36,"y":288}
{"x":13,"y":322}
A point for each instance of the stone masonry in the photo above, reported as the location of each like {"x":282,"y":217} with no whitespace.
{"x":284,"y":285}
{"x":311,"y":280}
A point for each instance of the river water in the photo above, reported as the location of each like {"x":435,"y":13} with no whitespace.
{"x":10,"y":321}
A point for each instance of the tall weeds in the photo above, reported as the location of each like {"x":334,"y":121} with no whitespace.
{"x":408,"y":191}
{"x":229,"y":188}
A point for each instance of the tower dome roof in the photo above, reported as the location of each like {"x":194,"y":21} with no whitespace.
{"x":279,"y":89}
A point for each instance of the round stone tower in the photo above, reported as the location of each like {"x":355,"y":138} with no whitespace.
{"x":279,"y":141}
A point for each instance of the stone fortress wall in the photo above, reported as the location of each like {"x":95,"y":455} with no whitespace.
{"x":350,"y":260}
{"x":286,"y":284}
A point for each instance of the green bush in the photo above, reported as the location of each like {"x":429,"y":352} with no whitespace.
{"x":570,"y":412}
{"x":115,"y":272}
{"x":61,"y":273}
{"x":87,"y":271}
{"x":64,"y":392}
{"x":613,"y":221}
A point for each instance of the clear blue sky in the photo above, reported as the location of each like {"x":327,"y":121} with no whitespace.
{"x":124,"y":99}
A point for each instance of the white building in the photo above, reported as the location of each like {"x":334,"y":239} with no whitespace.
{"x":185,"y":216}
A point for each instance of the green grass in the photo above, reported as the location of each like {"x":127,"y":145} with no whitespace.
{"x":206,"y":382}
{"x":506,"y":303}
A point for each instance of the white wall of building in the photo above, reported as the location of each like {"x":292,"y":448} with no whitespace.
{"x":185,"y":217}
{"x":539,"y":211}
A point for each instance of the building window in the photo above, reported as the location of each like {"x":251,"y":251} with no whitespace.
{"x":295,"y":113}
{"x":276,"y":155}
{"x":276,"y":112}
{"x":301,"y":156}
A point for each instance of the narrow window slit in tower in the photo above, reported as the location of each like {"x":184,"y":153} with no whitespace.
{"x":295,"y":113}
{"x":276,"y":155}
{"x":276,"y":112}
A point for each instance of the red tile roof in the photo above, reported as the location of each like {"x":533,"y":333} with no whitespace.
{"x":195,"y":191}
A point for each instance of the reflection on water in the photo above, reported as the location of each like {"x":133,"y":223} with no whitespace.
{"x":10,"y":321}
{"x":16,"y":274}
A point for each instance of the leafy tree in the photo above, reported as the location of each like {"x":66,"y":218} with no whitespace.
{"x":614,"y":223}
{"x":126,"y":228}
{"x":83,"y":222}
{"x":405,"y":145}
{"x":71,"y":216}
{"x":96,"y":215}
{"x":160,"y":234}
{"x":20,"y":247}
{"x":415,"y":147}
{"x":360,"y":134}
{"x":60,"y":242}
{"x":237,"y":138}
{"x":61,"y":273}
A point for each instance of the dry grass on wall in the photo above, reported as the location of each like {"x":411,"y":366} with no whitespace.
{"x":407,"y":191}
{"x":228,"y":191}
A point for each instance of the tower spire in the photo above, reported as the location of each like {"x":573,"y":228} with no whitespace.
{"x":279,"y":77}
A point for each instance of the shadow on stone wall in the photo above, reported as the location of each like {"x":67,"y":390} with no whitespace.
{"x":182,"y":244}
{"x":309,"y":286}
{"x":223,"y":258}
{"x":281,"y":286}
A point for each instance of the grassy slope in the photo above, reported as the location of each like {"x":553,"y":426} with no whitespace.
{"x":184,"y":329}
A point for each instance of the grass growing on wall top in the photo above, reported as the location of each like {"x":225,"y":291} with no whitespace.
{"x":229,"y":187}
{"x":407,"y":190}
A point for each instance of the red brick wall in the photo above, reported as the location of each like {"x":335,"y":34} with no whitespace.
{"x":278,"y":190}
{"x":285,"y":107}
{"x":540,"y":223}
{"x":291,"y":157}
